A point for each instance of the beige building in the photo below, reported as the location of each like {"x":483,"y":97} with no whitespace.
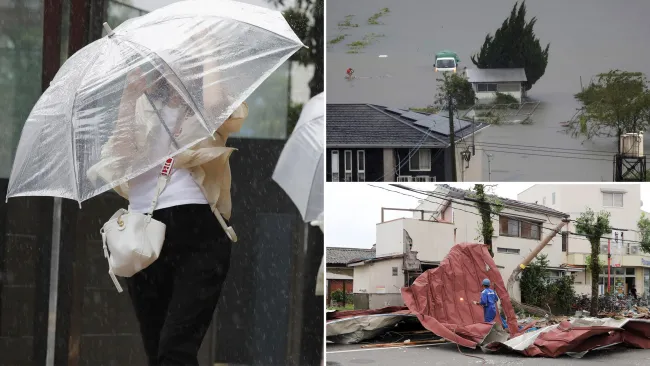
{"x":445,"y":218}
{"x":630,"y":266}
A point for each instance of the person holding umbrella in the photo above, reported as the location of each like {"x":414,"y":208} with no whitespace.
{"x":175,"y":297}
{"x":164,"y":89}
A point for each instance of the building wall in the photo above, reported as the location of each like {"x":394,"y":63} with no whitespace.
{"x":374,"y":169}
{"x":574,"y":198}
{"x":472,"y":170}
{"x":513,"y":89}
{"x":389,"y":165}
{"x":348,"y":271}
{"x":390,"y":238}
{"x":377,"y":277}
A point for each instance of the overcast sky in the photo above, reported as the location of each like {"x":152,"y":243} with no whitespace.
{"x":352,"y":210}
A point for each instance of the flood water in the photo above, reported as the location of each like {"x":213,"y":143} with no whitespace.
{"x":587,"y":37}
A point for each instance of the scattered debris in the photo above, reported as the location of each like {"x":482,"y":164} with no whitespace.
{"x":405,"y":343}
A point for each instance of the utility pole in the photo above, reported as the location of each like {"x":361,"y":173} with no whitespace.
{"x":489,"y":156}
{"x":452,"y":138}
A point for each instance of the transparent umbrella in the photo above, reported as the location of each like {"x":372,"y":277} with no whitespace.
{"x":300,"y":168}
{"x":209,"y":54}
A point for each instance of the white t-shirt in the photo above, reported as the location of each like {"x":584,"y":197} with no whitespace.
{"x":181,"y":188}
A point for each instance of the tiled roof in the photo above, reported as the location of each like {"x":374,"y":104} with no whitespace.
{"x":463,"y":194}
{"x":347,"y":255}
{"x":369,"y":125}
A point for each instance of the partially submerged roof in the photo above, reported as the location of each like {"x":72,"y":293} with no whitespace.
{"x":457,"y":193}
{"x":496,"y":75}
{"x":369,"y":125}
{"x":346,"y":255}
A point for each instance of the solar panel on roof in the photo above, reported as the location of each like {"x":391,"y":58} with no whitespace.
{"x":394,"y":110}
{"x":412,"y":116}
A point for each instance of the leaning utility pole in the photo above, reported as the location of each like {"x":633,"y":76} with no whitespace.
{"x":452,"y":138}
{"x":524,"y":263}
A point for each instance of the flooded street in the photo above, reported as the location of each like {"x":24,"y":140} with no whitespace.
{"x":587,"y":37}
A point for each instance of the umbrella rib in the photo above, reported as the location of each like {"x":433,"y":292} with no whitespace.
{"x":72,"y":129}
{"x":189,"y":97}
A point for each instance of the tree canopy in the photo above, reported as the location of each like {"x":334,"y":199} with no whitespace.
{"x":456,"y":86}
{"x":644,"y":229}
{"x":616,"y":102}
{"x":594,"y":226}
{"x":306,"y":18}
{"x":514,"y":45}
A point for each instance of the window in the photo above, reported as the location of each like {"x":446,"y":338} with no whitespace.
{"x":361,"y":165}
{"x":420,"y":160}
{"x":483,"y":87}
{"x":507,"y":250}
{"x":611,"y":199}
{"x":523,"y":229}
{"x":348,"y":165}
{"x":629,"y":271}
{"x":565,"y":241}
{"x":553,"y":198}
{"x":394,"y":271}
{"x":508,"y":87}
{"x":335,"y":165}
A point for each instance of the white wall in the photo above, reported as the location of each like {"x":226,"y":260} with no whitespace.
{"x":390,"y":238}
{"x":504,"y":88}
{"x":370,"y":277}
{"x":574,"y":198}
{"x":471,"y":171}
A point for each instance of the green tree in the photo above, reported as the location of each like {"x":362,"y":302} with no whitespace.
{"x":534,"y":280}
{"x":487,"y":206}
{"x":514,"y":45}
{"x":617,"y":102}
{"x":460,"y":90}
{"x":644,"y":228}
{"x":306,"y":18}
{"x":594,"y":227}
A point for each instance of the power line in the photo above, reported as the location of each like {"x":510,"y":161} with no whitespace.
{"x":546,"y":155}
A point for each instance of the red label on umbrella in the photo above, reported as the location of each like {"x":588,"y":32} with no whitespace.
{"x":167,"y":167}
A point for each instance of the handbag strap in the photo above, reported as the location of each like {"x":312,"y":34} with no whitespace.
{"x":163,"y":178}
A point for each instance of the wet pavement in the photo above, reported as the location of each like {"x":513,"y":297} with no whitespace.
{"x":448,"y":354}
{"x":586,"y":36}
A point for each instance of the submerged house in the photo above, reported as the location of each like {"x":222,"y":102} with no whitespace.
{"x":487,"y":82}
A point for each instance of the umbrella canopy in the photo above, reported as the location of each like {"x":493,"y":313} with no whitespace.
{"x":213,"y":54}
{"x":300,"y":168}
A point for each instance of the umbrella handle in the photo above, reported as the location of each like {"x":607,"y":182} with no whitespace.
{"x":230,"y":232}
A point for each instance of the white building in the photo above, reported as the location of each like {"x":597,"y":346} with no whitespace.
{"x":445,"y":218}
{"x":487,"y":82}
{"x":623,"y":201}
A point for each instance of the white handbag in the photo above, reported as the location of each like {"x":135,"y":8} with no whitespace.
{"x":131,"y":240}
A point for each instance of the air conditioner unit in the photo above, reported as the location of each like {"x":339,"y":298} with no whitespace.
{"x":632,"y":144}
{"x":404,"y":178}
{"x":634,"y":250}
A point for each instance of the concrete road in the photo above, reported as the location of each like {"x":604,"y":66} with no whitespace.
{"x":448,"y":354}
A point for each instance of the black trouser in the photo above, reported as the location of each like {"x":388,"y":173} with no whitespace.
{"x":175,"y":297}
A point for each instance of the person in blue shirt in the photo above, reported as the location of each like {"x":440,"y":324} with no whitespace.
{"x":489,"y":300}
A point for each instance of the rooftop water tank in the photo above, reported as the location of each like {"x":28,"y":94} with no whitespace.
{"x":632,"y":144}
